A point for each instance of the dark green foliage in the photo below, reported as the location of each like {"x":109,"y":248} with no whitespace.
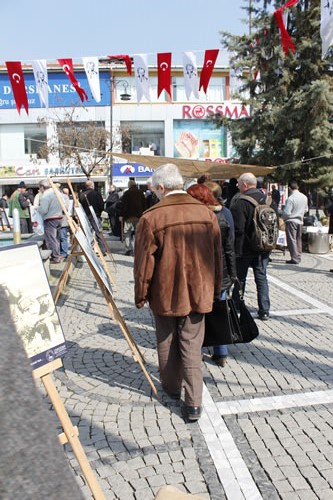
{"x":292,"y":103}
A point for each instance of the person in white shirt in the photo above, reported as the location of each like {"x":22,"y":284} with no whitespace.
{"x":293,"y":214}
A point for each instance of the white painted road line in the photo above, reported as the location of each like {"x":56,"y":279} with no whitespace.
{"x":275,"y":402}
{"x":233,"y":473}
{"x":296,"y":312}
{"x":301,"y":295}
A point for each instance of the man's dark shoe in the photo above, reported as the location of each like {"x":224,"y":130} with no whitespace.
{"x":291,"y":262}
{"x":128,"y":252}
{"x":192,"y":413}
{"x":263,"y":316}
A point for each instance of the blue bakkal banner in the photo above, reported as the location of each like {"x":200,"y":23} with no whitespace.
{"x":131,"y":170}
{"x":61,"y":91}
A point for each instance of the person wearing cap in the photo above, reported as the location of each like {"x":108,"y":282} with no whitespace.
{"x":51,"y":211}
{"x":18,"y":200}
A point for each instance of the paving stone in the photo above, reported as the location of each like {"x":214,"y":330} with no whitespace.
{"x":299,"y":483}
{"x":131,"y":438}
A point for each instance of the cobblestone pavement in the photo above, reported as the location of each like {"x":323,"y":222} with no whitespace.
{"x":266,"y":429}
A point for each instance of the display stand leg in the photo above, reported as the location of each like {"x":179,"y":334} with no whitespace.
{"x":64,"y":276}
{"x":137,"y":355}
{"x":72,"y":437}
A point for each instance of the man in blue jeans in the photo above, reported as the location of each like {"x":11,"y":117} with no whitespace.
{"x":242,"y":211}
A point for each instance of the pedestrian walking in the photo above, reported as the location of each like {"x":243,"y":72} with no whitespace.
{"x":21,"y":202}
{"x":246,"y":256}
{"x":276,"y":196}
{"x":178,"y":271}
{"x":293,"y":215}
{"x":111,"y":209}
{"x":4,"y":201}
{"x":133,"y":204}
{"x":227,"y":228}
{"x":51,"y":211}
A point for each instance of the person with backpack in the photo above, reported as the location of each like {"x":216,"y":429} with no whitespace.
{"x":256,"y":232}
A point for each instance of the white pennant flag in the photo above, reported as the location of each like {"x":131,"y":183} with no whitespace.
{"x":326,"y":26}
{"x":91,"y":68}
{"x":191,"y":80}
{"x":141,"y":76}
{"x":39,"y":68}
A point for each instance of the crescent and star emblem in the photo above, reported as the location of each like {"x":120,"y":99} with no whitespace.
{"x":66,"y":68}
{"x":164,"y":66}
{"x":16,"y":78}
{"x":209,"y":62}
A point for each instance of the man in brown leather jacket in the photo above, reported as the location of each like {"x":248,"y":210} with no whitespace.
{"x":178,"y":271}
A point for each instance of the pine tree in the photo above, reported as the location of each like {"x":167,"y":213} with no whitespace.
{"x":290,"y":96}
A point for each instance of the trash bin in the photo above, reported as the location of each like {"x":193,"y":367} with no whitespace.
{"x":318,"y":242}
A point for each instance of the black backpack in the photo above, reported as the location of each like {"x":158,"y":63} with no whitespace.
{"x":266,"y":225}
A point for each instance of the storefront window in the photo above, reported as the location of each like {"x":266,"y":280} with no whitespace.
{"x":216,"y":91}
{"x":143,"y":137}
{"x":199,"y":139}
{"x":35,"y":140}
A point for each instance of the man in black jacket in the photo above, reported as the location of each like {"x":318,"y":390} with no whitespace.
{"x":133,"y":206}
{"x":242,"y":211}
{"x":91,"y":197}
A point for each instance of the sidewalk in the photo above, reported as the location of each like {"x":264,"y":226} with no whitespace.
{"x":266,"y":429}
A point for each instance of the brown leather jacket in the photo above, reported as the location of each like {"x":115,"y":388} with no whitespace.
{"x":178,"y":257}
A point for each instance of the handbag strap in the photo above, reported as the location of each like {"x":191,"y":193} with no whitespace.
{"x":240,"y":289}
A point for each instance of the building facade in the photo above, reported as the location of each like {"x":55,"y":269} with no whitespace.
{"x":167,"y":127}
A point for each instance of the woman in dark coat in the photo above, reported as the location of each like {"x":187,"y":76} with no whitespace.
{"x":204,"y":194}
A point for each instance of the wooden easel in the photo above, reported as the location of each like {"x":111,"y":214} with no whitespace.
{"x":71,"y":259}
{"x":114,"y":311}
{"x":97,"y":248}
{"x":70,"y":432}
{"x":137,"y":355}
{"x":100,"y":232}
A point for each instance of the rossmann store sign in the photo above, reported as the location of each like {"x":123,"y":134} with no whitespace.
{"x":229,"y":110}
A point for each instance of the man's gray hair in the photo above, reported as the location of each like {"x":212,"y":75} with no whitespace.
{"x":168,"y":176}
{"x":248,"y":178}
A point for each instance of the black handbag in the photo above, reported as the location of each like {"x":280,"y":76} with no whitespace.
{"x":224,"y":326}
{"x":248,"y":326}
{"x":218,"y":325}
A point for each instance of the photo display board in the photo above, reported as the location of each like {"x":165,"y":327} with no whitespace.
{"x":84,"y":223}
{"x":24,"y":280}
{"x":93,"y":259}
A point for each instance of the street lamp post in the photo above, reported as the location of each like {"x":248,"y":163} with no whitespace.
{"x":125,"y":96}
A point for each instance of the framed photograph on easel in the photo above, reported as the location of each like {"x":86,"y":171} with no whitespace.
{"x":24,"y":280}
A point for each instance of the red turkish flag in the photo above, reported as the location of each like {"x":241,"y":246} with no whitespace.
{"x":164,"y":73}
{"x":286,"y":40}
{"x":16,"y":78}
{"x":127,"y":60}
{"x":207,"y":69}
{"x":67,"y":66}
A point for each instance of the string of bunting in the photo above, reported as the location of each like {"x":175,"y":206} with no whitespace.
{"x":192,"y":82}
